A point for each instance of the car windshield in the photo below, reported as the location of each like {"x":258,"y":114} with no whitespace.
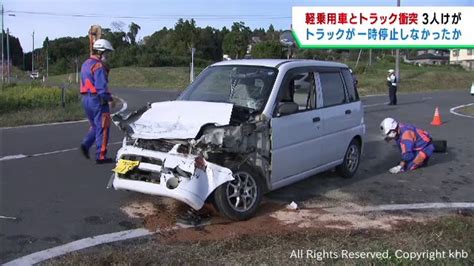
{"x":245,"y":86}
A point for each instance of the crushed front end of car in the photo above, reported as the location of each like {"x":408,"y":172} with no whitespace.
{"x":178,"y":149}
{"x":213,"y":143}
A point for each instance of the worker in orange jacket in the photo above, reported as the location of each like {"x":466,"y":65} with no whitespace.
{"x":415,"y":144}
{"x":95,"y":100}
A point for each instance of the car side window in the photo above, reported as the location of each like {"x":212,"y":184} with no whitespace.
{"x":299,"y":88}
{"x":332,"y":88}
{"x":352,"y":94}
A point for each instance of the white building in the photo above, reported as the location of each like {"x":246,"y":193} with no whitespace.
{"x":463,"y":57}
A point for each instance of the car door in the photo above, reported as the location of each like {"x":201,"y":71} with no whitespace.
{"x":337,"y":112}
{"x":295,"y":137}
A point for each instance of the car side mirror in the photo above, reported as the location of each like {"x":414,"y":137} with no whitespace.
{"x":287,"y":108}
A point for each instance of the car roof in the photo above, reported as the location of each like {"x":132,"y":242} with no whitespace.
{"x":280,"y":62}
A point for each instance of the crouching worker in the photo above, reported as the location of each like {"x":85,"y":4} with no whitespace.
{"x":415,"y":144}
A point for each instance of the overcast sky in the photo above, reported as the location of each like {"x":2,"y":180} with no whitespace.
{"x":61,"y":18}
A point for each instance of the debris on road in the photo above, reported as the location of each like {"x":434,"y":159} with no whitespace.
{"x":292,"y":206}
{"x":139,"y":209}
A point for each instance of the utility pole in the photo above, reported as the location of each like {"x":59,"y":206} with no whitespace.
{"x":77,"y":69}
{"x":8,"y":56}
{"x":370,"y":57}
{"x":47,"y":59}
{"x":193,"y":50}
{"x":397,"y":62}
{"x":33,"y":54}
{"x":3,"y":65}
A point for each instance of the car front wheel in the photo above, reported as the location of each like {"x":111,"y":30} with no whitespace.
{"x":239,"y":199}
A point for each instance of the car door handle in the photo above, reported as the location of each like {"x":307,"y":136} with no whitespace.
{"x":348,"y":112}
{"x":316,"y":119}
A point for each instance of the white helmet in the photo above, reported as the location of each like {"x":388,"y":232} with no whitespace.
{"x":391,"y":71}
{"x":389,"y":127}
{"x":102,"y":45}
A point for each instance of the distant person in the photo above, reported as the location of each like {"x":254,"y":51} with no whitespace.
{"x":95,"y":100}
{"x":415,"y":144}
{"x":392,"y":87}
{"x":355,"y":81}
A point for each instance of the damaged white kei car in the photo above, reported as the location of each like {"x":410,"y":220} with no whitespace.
{"x":241,"y":129}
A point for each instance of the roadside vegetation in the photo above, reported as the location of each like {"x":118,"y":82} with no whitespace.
{"x":173,"y":78}
{"x":33,"y":104}
{"x":372,"y":79}
{"x":448,"y":233}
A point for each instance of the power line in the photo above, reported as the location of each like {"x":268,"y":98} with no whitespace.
{"x":154,"y":17}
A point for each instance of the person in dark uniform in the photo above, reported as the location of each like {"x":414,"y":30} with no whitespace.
{"x":392,"y":87}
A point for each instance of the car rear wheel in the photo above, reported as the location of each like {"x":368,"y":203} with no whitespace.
{"x":351,"y":162}
{"x":239,"y":199}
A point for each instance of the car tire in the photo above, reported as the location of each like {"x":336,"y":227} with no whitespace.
{"x":228,"y":196}
{"x":351,"y":162}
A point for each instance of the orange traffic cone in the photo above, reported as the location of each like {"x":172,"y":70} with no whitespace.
{"x":436,"y":118}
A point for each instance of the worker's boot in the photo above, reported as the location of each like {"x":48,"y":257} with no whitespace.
{"x":84,"y":151}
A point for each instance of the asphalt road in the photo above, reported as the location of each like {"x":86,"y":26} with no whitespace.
{"x":61,"y":197}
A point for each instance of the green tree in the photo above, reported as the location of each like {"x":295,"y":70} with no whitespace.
{"x":184,"y":37}
{"x":267,"y":49}
{"x":236,"y":42}
{"x":209,"y":45}
{"x":271,"y":34}
{"x":116,"y":38}
{"x":16,"y":51}
{"x":132,"y":33}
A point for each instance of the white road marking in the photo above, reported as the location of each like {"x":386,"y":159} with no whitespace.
{"x":13,"y":157}
{"x":124,"y":107}
{"x":400,"y":207}
{"x":170,"y":90}
{"x":47,"y":124}
{"x":7,"y":217}
{"x":385,"y":103}
{"x":453,"y":110}
{"x":78,"y":245}
{"x":21,"y":156}
{"x":52,"y":152}
{"x":373,"y":95}
{"x":375,"y":104}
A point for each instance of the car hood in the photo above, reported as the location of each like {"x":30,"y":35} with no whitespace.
{"x":179,"y":119}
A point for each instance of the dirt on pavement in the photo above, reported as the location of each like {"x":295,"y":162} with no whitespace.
{"x":272,"y":218}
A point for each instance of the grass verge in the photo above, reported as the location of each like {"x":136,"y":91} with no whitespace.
{"x":372,"y":80}
{"x":71,"y":112}
{"x":175,"y":78}
{"x":445,"y":234}
{"x":33,"y":104}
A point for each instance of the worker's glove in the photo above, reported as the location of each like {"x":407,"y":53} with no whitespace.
{"x":395,"y":170}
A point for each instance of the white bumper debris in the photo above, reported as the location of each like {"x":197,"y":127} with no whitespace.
{"x":171,"y":175}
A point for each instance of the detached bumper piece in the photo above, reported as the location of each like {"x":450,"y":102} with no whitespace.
{"x":186,"y":178}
